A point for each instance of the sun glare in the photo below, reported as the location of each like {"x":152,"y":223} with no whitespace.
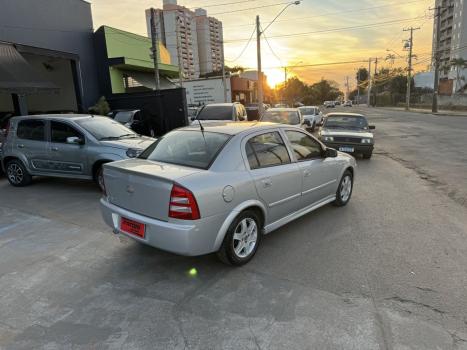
{"x":274,"y":76}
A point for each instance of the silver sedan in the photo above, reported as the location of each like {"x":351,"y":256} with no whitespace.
{"x":219,"y":188}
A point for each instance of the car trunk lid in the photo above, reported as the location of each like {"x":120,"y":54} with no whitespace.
{"x":143,"y":186}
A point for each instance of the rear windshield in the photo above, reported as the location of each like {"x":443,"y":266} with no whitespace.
{"x":307,"y":111}
{"x":215,"y":113}
{"x":194,"y":149}
{"x":123,"y":117}
{"x":283,"y":117}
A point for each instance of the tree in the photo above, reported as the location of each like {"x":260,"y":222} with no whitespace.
{"x":101,"y":107}
{"x":218,"y":73}
{"x":362,"y":78}
{"x":458,"y":64}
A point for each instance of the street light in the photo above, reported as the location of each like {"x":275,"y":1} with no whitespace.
{"x":258,"y":52}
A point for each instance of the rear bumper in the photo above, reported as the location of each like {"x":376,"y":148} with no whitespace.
{"x":358,"y":148}
{"x":192,"y":238}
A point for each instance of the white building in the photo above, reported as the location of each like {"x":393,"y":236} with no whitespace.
{"x":191,"y":35}
{"x":453,"y":40}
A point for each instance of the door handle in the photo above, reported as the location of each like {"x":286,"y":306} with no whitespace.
{"x":20,"y":146}
{"x":55,"y":149}
{"x":266,"y":183}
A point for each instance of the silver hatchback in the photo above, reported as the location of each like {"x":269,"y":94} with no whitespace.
{"x":220,"y":187}
{"x":71,"y":146}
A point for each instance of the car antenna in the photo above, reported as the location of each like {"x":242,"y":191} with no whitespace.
{"x":199,"y":121}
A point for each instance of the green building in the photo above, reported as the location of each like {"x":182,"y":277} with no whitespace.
{"x":125,"y":65}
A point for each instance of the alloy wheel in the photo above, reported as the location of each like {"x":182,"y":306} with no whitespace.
{"x":346,"y":188}
{"x":245,"y":237}
{"x":15,"y":173}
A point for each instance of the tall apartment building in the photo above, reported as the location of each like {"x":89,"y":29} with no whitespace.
{"x":210,"y":39}
{"x":453,"y":38}
{"x":190,"y":36}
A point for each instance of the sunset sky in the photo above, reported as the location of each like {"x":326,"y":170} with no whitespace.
{"x":329,"y":43}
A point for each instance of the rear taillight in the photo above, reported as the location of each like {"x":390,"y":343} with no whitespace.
{"x":183,"y":204}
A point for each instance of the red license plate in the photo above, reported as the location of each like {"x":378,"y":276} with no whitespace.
{"x":132,"y":227}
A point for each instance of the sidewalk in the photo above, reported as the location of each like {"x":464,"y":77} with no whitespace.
{"x":428,"y":111}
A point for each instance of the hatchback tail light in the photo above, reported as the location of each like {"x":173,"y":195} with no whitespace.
{"x":183,"y":204}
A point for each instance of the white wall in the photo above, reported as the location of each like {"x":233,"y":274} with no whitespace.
{"x":204,"y":91}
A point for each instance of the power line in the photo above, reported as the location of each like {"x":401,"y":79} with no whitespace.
{"x":244,"y":49}
{"x":269,"y":45}
{"x":250,"y":8}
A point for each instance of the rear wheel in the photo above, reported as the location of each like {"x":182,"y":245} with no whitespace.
{"x":99,"y":177}
{"x":17,"y":174}
{"x":242,"y":239}
{"x":344,"y":191}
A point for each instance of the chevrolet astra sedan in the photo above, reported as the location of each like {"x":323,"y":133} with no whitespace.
{"x":219,"y":188}
{"x":348,"y":132}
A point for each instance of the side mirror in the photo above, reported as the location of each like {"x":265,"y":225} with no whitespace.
{"x":330,"y":153}
{"x":74,"y":140}
{"x":372,"y":127}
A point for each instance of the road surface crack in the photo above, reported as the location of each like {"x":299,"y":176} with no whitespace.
{"x":416,"y":303}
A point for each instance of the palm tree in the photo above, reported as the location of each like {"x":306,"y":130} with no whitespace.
{"x":459,"y":64}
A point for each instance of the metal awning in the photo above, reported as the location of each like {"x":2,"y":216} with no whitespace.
{"x":147,"y":80}
{"x":18,"y":76}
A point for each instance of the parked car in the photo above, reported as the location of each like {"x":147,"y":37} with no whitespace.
{"x":348,"y":132}
{"x":66,"y":145}
{"x":216,"y":112}
{"x":290,"y":116}
{"x":329,"y":104}
{"x":337,"y":103}
{"x":192,"y":111}
{"x":313,"y":115}
{"x":221,"y":187}
{"x":134,"y":120}
{"x":347,"y":103}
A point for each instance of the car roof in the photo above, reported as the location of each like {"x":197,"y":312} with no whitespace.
{"x":345,"y":114}
{"x":282,"y":109}
{"x":221,"y":104}
{"x":234,"y":128}
{"x":59,"y":116}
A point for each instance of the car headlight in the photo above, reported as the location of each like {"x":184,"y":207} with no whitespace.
{"x":367,"y":141}
{"x":133,"y":152}
{"x":328,"y":138}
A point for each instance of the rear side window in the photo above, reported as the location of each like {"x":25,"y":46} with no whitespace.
{"x":31,"y":130}
{"x":267,"y":150}
{"x":62,"y":131}
{"x":194,"y":149}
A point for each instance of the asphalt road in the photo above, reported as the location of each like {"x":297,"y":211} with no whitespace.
{"x":386,"y":272}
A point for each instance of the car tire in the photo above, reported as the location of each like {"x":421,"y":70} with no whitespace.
{"x":344,"y":191}
{"x":313,"y":127}
{"x":99,"y":177}
{"x":17,"y":174}
{"x":241,"y":240}
{"x":367,"y":155}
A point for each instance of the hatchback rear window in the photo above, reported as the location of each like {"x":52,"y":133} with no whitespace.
{"x":215,"y":113}
{"x":194,"y":149}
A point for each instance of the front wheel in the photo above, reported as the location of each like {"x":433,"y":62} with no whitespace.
{"x":242,"y":240}
{"x":99,"y":178}
{"x":17,"y":174}
{"x":344,"y":191}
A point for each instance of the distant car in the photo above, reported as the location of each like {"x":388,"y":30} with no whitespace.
{"x":216,"y":112}
{"x":347,"y":103}
{"x":66,"y":145}
{"x":221,"y":188}
{"x":313,"y":115}
{"x":289,"y":116}
{"x":337,"y":103}
{"x":348,"y":132}
{"x":329,"y":104}
{"x":281,"y":105}
{"x":134,"y":120}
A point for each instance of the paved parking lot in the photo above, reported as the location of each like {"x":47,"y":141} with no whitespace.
{"x":386,"y":272}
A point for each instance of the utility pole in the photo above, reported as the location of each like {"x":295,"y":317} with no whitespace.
{"x":369,"y":82}
{"x":374,"y":77}
{"x":224,"y":80}
{"x":434,"y":107}
{"x":260,"y":75}
{"x":154,"y":50}
{"x":409,"y":71}
{"x":348,"y":87}
{"x":358,"y":86}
